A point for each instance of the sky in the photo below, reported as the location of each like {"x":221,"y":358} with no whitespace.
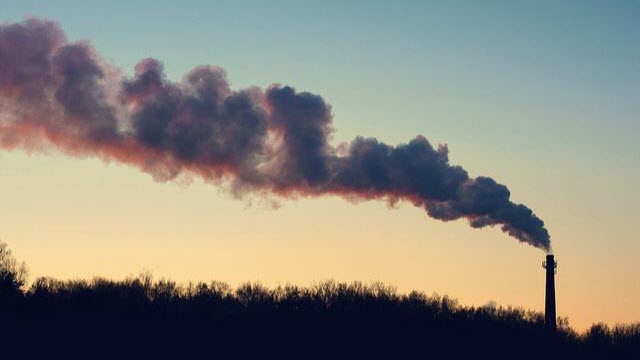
{"x":542,"y":96}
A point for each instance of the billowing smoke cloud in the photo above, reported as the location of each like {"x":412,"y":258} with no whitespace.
{"x":59,"y":94}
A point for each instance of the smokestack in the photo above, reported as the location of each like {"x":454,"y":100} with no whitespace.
{"x":550,"y":297}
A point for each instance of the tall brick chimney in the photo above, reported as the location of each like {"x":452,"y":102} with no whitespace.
{"x":550,"y":296}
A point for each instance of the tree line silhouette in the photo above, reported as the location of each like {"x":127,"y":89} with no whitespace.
{"x":327,"y":318}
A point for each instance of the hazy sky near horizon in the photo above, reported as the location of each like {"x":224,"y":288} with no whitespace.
{"x":543,"y":96}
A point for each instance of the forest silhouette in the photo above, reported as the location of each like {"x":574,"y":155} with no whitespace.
{"x":140,"y":316}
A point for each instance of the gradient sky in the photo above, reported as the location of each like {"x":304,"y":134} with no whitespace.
{"x":543,"y":96}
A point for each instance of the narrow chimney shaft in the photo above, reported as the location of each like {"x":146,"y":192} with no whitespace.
{"x":550,"y":296}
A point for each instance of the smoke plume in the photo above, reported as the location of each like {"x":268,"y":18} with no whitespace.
{"x":55,"y":93}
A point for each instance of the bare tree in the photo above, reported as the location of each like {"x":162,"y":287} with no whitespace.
{"x":13,"y":274}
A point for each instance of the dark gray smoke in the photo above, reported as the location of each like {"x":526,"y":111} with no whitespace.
{"x":61,"y":94}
